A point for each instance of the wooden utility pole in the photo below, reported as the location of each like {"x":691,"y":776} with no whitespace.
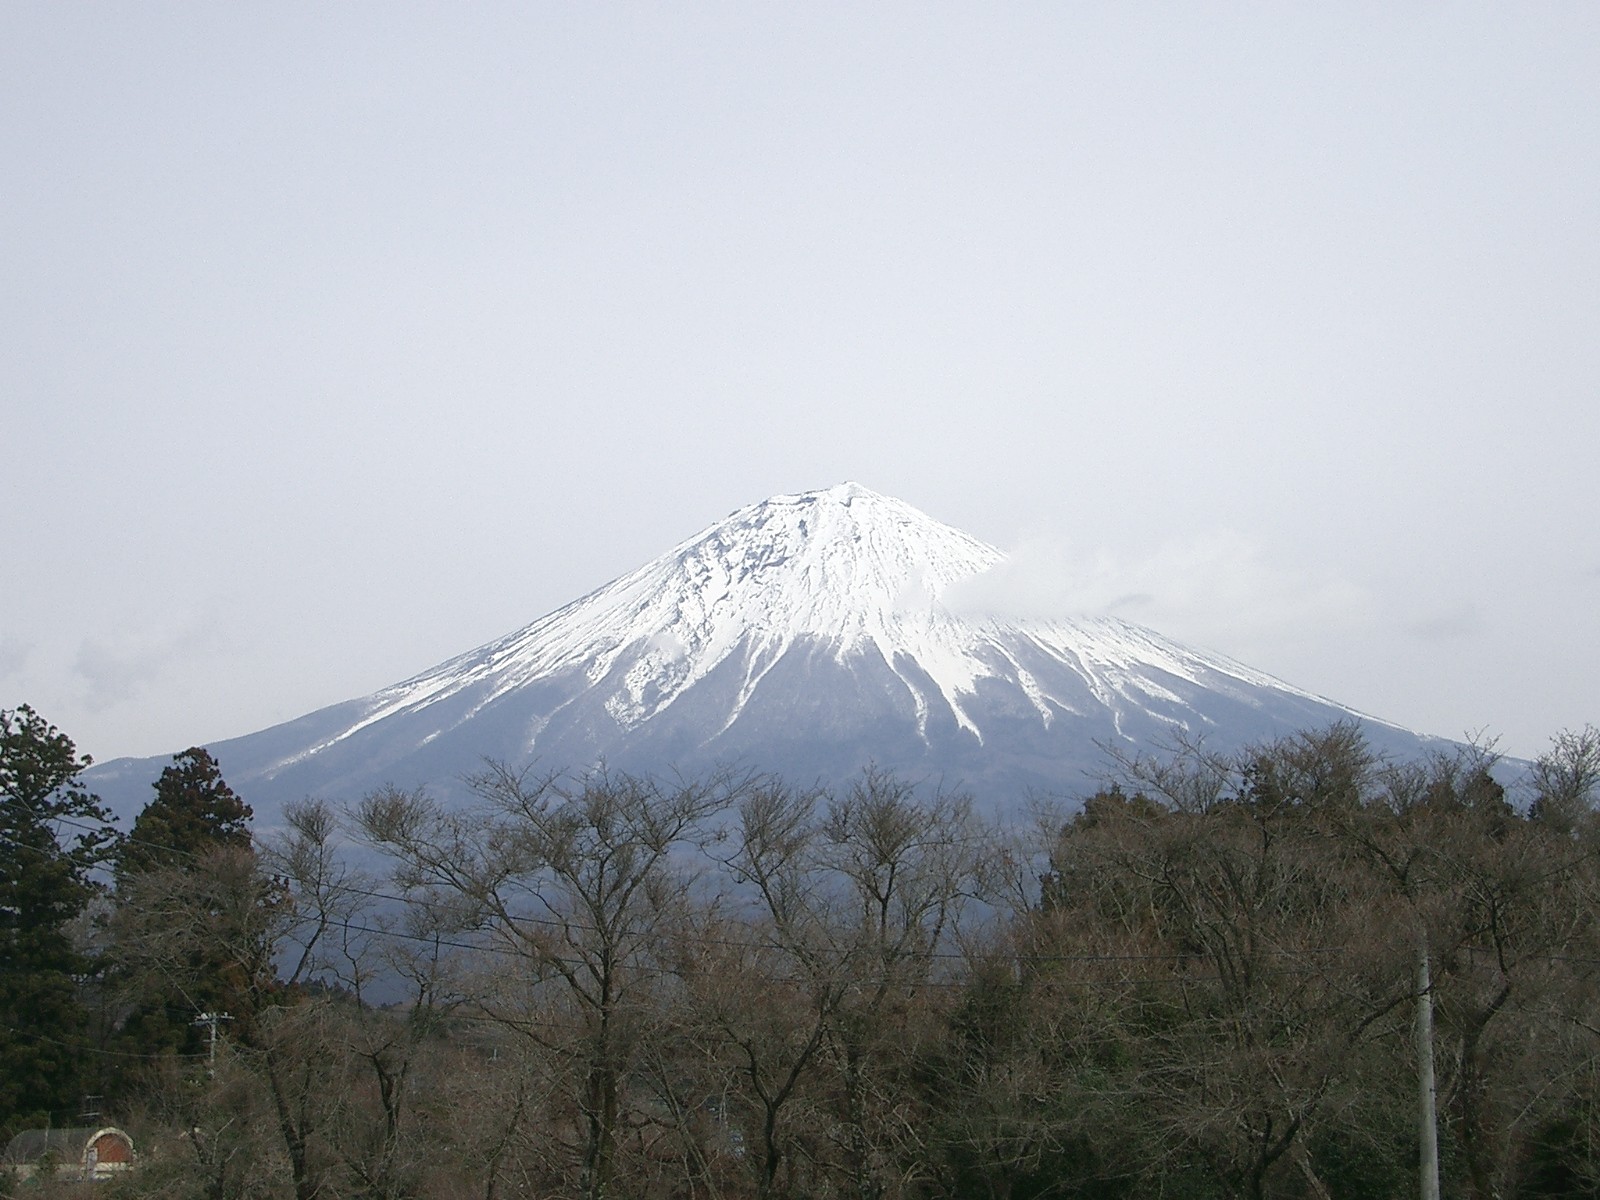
{"x":1427,"y":1115}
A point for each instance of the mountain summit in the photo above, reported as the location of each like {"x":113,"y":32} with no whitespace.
{"x":845,"y":570}
{"x":807,"y":635}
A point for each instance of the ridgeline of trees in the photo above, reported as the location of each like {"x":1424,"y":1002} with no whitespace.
{"x":1201,"y":982}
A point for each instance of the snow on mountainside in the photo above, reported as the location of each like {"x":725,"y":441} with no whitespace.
{"x":845,"y":565}
{"x":806,"y":634}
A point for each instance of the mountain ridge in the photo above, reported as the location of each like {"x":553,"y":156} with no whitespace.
{"x":806,"y":634}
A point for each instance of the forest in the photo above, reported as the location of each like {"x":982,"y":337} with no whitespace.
{"x":1209,"y":979}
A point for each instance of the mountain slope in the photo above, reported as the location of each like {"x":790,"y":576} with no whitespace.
{"x":807,"y":635}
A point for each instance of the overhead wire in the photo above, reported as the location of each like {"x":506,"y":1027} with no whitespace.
{"x":1019,"y":957}
{"x":572,"y":925}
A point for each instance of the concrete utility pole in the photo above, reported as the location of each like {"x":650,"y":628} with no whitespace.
{"x":210,"y":1020}
{"x":1428,"y":1121}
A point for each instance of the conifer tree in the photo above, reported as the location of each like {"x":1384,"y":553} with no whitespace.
{"x":53,"y":833}
{"x":194,"y":813}
{"x":194,"y":821}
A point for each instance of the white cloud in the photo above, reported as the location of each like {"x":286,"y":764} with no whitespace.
{"x":1462,"y":621}
{"x":114,"y":676}
{"x":119,"y":672}
{"x":14,"y":654}
{"x":1221,"y":589}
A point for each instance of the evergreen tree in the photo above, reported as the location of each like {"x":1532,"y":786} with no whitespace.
{"x":194,"y":813}
{"x":53,"y":833}
{"x":196,"y":826}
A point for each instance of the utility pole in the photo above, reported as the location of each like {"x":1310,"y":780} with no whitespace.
{"x":1428,"y":1121}
{"x":210,"y":1020}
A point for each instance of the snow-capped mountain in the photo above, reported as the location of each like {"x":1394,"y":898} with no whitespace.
{"x":807,"y":635}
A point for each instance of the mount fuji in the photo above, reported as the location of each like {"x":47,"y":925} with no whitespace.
{"x":807,"y":635}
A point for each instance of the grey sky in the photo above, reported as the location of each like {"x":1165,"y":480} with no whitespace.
{"x":338,"y":339}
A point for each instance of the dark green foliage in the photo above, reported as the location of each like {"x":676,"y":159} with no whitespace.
{"x":193,"y":830}
{"x":194,"y":812}
{"x":53,"y":834}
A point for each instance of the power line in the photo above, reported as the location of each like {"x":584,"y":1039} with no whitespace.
{"x":86,"y":1048}
{"x":572,"y":925}
{"x":509,"y":924}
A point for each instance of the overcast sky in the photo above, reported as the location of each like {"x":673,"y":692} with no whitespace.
{"x":339,"y":339}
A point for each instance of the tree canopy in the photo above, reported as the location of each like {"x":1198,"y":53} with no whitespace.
{"x":53,"y":834}
{"x":1201,"y":982}
{"x":193,"y":813}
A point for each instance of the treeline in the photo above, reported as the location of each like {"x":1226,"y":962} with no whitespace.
{"x":1204,"y":981}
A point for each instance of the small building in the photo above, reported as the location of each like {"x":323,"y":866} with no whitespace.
{"x":82,"y":1152}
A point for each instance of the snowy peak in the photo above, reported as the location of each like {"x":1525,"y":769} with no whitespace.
{"x":843,"y":572}
{"x":844,"y":566}
{"x":809,"y":635}
{"x":835,"y":563}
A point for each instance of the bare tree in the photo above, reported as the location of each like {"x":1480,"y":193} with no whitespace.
{"x":766,"y":983}
{"x":574,"y":889}
{"x":1566,"y":779}
{"x":849,"y":901}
